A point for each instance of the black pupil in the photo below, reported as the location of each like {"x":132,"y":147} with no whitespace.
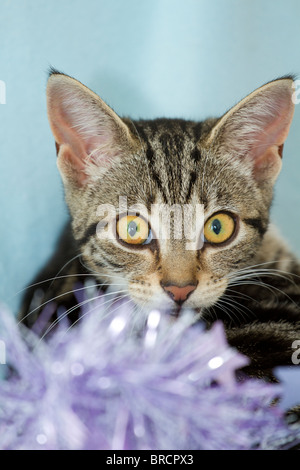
{"x":132,"y":228}
{"x":216,"y":226}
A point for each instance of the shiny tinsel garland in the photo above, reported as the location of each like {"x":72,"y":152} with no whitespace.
{"x":106,"y":384}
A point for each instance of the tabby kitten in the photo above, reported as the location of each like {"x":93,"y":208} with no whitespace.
{"x":242,"y":272}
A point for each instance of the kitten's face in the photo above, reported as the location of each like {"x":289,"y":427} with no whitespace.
{"x":227,"y":166}
{"x":143,"y":270}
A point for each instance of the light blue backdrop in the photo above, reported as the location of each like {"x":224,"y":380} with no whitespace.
{"x":146,"y":58}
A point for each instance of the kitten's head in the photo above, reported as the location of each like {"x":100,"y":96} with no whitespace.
{"x":198,"y":194}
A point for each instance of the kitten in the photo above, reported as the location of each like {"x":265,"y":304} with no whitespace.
{"x":241,"y":272}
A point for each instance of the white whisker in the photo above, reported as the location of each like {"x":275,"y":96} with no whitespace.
{"x":36,"y":284}
{"x":235,"y":304}
{"x":59,"y":296}
{"x":78,"y":305}
{"x":65,"y":265}
{"x":109,"y":313}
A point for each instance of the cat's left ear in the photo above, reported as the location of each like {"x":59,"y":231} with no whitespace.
{"x":89,"y":135}
{"x":255,"y":129}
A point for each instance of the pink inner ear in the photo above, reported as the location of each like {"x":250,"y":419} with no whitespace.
{"x":99,"y":149}
{"x":274,"y":133}
{"x":86,"y":130}
{"x":256,"y":129}
{"x":72,"y":159}
{"x":81,"y":150}
{"x":267,"y":165}
{"x":267,"y":150}
{"x":71,"y":166}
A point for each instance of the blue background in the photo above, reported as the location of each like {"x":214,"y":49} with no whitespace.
{"x":146,"y":58}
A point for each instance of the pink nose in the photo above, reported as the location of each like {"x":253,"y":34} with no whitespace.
{"x":179,"y":294}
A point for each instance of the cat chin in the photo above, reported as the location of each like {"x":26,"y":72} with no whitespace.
{"x":174,"y":312}
{"x":179,"y":312}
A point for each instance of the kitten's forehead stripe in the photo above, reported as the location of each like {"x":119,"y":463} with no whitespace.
{"x":196,"y":154}
{"x":160,"y":185}
{"x":142,"y":134}
{"x":197,"y":130}
{"x":172,"y":153}
{"x":193,"y":178}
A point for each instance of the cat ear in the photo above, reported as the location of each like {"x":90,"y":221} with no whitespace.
{"x":256,"y":128}
{"x":89,"y":135}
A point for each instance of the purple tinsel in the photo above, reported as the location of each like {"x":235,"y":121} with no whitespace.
{"x":106,"y":385}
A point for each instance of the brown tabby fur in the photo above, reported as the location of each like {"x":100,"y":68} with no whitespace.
{"x":251,"y":283}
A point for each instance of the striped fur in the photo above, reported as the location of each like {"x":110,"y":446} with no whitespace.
{"x":252,"y":283}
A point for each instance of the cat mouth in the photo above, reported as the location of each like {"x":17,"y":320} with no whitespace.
{"x":179,"y":310}
{"x":175,"y":312}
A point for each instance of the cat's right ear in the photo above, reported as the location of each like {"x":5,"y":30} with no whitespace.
{"x":89,"y":135}
{"x":255,"y":130}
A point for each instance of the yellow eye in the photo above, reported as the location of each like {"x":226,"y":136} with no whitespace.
{"x":133,"y":229}
{"x":219,"y":228}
